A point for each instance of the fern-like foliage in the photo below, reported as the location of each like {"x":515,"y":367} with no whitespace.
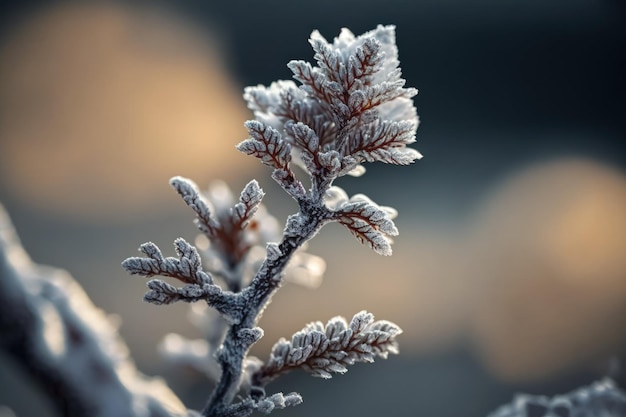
{"x":350,"y":108}
{"x":369,"y":223}
{"x":322,"y":350}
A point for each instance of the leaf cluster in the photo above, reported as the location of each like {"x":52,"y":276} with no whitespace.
{"x":351,"y":107}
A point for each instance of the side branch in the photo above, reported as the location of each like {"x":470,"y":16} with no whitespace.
{"x":325,"y":349}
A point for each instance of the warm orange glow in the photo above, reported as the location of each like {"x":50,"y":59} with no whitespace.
{"x":552,"y":253}
{"x":101,"y":104}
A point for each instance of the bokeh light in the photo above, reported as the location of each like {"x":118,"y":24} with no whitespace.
{"x":101,"y":103}
{"x":509,"y":272}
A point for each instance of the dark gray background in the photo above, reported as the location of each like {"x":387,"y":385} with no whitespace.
{"x":502,"y":84}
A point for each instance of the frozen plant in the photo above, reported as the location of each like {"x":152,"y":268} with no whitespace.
{"x":600,"y":399}
{"x":350,"y":108}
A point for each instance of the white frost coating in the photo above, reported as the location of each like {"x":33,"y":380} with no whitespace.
{"x":368,"y":222}
{"x":94,"y":361}
{"x":600,"y":399}
{"x":266,"y":144}
{"x":249,"y":202}
{"x":273,"y":251}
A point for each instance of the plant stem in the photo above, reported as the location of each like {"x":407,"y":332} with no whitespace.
{"x":312,"y":216}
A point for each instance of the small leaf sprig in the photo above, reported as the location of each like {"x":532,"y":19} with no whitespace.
{"x":601,"y":398}
{"x":323,"y":350}
{"x":349,"y":109}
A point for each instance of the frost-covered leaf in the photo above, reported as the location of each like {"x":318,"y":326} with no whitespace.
{"x":323,"y":350}
{"x":396,"y":156}
{"x":386,"y":36}
{"x":314,"y":81}
{"x":240,"y":227}
{"x":307,"y":140}
{"x":328,"y":59}
{"x":368,"y":222}
{"x":188,"y":190}
{"x":187,"y":268}
{"x":266,"y":144}
{"x":250,"y":336}
{"x":360,"y":321}
{"x":249,"y":202}
{"x":366,"y":60}
{"x":163,"y":293}
{"x":331,"y":161}
{"x":288,"y":182}
{"x":266,"y":99}
{"x":278,"y":401}
{"x":350,"y":65}
{"x":377,"y":94}
{"x":385,"y":134}
{"x":295,"y":105}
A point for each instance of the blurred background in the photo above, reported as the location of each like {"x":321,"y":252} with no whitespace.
{"x":509,"y":273}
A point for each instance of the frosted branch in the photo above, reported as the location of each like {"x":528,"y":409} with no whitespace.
{"x":602,"y":398}
{"x":71,"y":348}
